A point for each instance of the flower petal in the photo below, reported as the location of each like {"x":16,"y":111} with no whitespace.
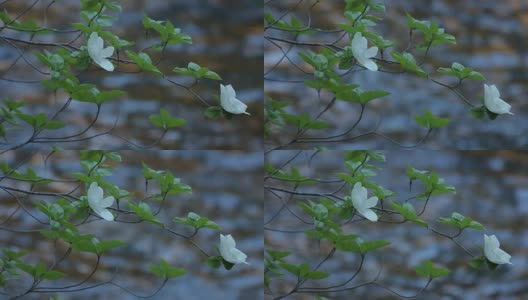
{"x":105,"y":64}
{"x":98,"y":54}
{"x":492,"y":251}
{"x":369,"y":214}
{"x":371,"y":52}
{"x":237,"y":257}
{"x":107,"y":52}
{"x":106,"y":202}
{"x":227,"y":241}
{"x":493,"y":102}
{"x":371,"y":202}
{"x":369,"y":64}
{"x":359,"y":192}
{"x":93,"y":43}
{"x":501,"y":257}
{"x":229,"y":252}
{"x":229,"y":102}
{"x":498,"y":106}
{"x":106,"y":214}
{"x":357,"y":196}
{"x":494,"y":91}
{"x":94,"y":192}
{"x":359,"y":44}
{"x":230,"y":91}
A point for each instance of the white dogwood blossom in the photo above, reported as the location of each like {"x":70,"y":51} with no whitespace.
{"x":493,"y":102}
{"x":98,"y":53}
{"x":363,"y":54}
{"x":362,"y":204}
{"x":229,"y":252}
{"x":98,"y":203}
{"x":492,"y":251}
{"x":229,"y":102}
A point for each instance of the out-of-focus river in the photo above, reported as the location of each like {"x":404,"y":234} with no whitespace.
{"x":227,"y":38}
{"x":492,"y":38}
{"x":227,"y":188}
{"x":491,"y":188}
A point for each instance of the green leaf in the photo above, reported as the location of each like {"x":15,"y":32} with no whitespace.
{"x":461,"y":72}
{"x":197,"y":221}
{"x":409,"y":63}
{"x":52,"y":275}
{"x":227,"y":265}
{"x":169,"y":34}
{"x":143,"y":211}
{"x":352,"y":243}
{"x":293,"y":269}
{"x":114,"y":40}
{"x":213,"y":112}
{"x":428,"y":270}
{"x":84,"y":243}
{"x":429,"y":121}
{"x":165,"y":121}
{"x":29,"y":119}
{"x":348,"y":94}
{"x":368,"y":246}
{"x":477,"y":262}
{"x":461,"y":222}
{"x":478,"y":112}
{"x":164,"y":270}
{"x":86,"y":93}
{"x":53,"y":125}
{"x":105,"y":246}
{"x":40,"y":120}
{"x":368,"y":96}
{"x":408,"y":213}
{"x":315,"y":275}
{"x":104,"y":96}
{"x":317,"y":125}
{"x":293,"y":25}
{"x":278,"y":255}
{"x":149,"y":173}
{"x":214,"y":261}
{"x":433,"y":34}
{"x":197,"y":72}
{"x":144,"y":62}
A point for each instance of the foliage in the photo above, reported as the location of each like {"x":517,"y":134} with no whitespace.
{"x":319,"y":213}
{"x":59,"y":210}
{"x":61,"y":59}
{"x":322,"y":61}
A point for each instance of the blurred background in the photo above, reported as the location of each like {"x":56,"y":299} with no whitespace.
{"x":227,"y":38}
{"x":491,"y":38}
{"x":227,"y":188}
{"x":491,"y":188}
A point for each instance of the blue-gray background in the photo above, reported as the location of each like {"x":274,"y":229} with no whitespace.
{"x":491,"y":38}
{"x":227,"y":188}
{"x":227,"y":38}
{"x":491,"y":188}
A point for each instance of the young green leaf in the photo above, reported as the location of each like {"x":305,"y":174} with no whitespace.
{"x":408,"y":213}
{"x":408,"y":62}
{"x":461,"y":222}
{"x":144,"y":62}
{"x":428,"y":270}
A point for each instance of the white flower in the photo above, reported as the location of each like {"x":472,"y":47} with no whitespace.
{"x":362,"y":54}
{"x":492,"y":251}
{"x":493,"y":102}
{"x":98,"y":53}
{"x":229,"y":101}
{"x":98,"y":203}
{"x":229,"y":252}
{"x":362,"y":204}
